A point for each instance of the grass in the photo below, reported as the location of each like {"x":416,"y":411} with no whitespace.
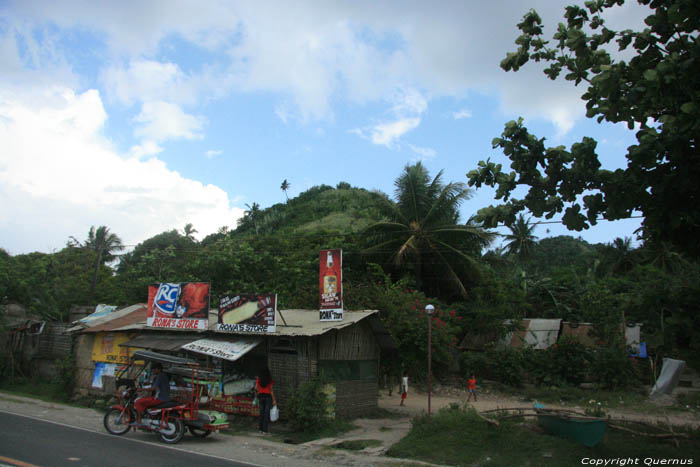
{"x":358,"y":444}
{"x":459,"y":437}
{"x":45,"y":391}
{"x":331,"y":430}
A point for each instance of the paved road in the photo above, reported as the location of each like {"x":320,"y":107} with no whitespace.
{"x":86,"y":436}
{"x":27,"y":440}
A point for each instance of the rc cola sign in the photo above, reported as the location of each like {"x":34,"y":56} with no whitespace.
{"x":178,"y":306}
{"x":165,"y":300}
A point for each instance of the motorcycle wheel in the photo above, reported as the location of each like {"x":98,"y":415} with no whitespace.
{"x":199,"y":432}
{"x":117,"y":421}
{"x":174,"y":431}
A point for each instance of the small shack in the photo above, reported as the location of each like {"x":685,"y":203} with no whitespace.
{"x":346,"y":352}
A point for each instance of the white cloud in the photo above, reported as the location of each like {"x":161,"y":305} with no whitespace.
{"x":210,"y":154}
{"x":388,"y":133}
{"x":163,"y":121}
{"x":460,"y":114}
{"x":310,"y":56}
{"x":145,"y":149}
{"x":60,"y":176}
{"x":144,"y":80}
{"x":424,"y":153}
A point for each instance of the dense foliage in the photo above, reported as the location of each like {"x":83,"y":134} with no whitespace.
{"x":655,"y":93}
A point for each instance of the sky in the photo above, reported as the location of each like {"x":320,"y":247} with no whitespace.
{"x":146,"y":116}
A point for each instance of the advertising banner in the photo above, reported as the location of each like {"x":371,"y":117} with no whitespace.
{"x":331,"y":285}
{"x":106,"y":347}
{"x":230,"y":351}
{"x":247,"y":313}
{"x":102,"y":369}
{"x":178,"y":306}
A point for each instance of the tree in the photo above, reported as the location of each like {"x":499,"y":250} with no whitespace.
{"x":105,"y":244}
{"x":285,"y":186}
{"x":253,"y":214}
{"x":654,"y":92}
{"x":189,"y":232}
{"x":422,"y":233}
{"x":521,"y":240}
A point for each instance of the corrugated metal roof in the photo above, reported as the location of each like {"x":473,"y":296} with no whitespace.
{"x":132,"y":317}
{"x":109,"y":318}
{"x":160,"y":341}
{"x":289,"y":323}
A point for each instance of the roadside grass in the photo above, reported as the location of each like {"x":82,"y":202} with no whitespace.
{"x":457,"y":436}
{"x":45,"y":391}
{"x":331,"y":430}
{"x":282,"y":431}
{"x":358,"y":444}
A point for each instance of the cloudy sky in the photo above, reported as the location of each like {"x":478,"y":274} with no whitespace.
{"x":145,"y":116}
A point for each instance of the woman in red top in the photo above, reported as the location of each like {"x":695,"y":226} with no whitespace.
{"x":266,"y":398}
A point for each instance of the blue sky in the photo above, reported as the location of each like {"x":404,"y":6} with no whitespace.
{"x":144,"y":116}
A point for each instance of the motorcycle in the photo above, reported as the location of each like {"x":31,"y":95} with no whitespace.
{"x":169,"y":419}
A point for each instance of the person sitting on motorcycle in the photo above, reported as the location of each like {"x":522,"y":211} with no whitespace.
{"x":160,"y":390}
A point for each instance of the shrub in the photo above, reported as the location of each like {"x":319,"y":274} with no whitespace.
{"x":308,"y":407}
{"x":613,"y":368}
{"x":65,"y":376}
{"x":566,"y":362}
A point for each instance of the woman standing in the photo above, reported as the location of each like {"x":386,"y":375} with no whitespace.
{"x":266,"y":398}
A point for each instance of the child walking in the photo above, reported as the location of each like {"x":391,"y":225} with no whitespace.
{"x":404,"y":387}
{"x":471,"y":388}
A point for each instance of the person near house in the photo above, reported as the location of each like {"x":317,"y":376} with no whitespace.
{"x":266,"y":398}
{"x":404,"y":387}
{"x":160,"y":391}
{"x":471,"y":388}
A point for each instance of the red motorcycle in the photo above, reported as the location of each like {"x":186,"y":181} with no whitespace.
{"x":168,"y":419}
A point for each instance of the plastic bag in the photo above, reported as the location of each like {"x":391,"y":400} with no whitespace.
{"x":255,"y":401}
{"x":274,"y":413}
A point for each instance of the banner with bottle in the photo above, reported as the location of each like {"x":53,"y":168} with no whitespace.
{"x":247,"y":313}
{"x":178,"y":306}
{"x":331,"y":285}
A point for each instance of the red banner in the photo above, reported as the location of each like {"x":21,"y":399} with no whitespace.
{"x":178,"y":306}
{"x":331,"y":285}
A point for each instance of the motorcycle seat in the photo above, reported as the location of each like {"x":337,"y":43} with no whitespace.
{"x":165,"y":405}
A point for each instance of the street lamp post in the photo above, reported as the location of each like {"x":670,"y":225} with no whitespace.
{"x":429,"y":311}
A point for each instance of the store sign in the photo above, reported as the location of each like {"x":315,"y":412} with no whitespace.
{"x":331,"y":285}
{"x":247,"y":313}
{"x":178,"y":306}
{"x":107,"y":347}
{"x":231,"y":351}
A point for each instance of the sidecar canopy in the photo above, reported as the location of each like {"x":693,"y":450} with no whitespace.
{"x":162,"y":358}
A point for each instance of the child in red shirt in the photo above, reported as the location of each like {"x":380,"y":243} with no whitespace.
{"x":471,"y":387}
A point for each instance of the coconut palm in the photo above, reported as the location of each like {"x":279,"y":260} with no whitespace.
{"x":285,"y":186}
{"x":521,"y":241}
{"x":422,"y":233}
{"x":253,"y":213}
{"x":189,"y":231}
{"x":105,"y":244}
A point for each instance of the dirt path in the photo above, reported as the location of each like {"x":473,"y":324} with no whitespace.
{"x":417,"y":403}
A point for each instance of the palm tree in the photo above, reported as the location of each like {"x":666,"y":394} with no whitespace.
{"x":422,"y":232}
{"x":105,"y":244}
{"x":189,"y":232}
{"x":253,"y":213}
{"x":521,"y":241}
{"x":285,"y":186}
